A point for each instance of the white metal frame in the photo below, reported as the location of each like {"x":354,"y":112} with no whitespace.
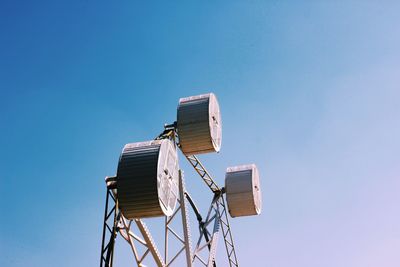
{"x":215,"y":222}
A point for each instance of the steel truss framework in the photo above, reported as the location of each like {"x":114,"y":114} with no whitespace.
{"x":216,"y":221}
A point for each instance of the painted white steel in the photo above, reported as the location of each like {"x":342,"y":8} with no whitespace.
{"x":199,"y":124}
{"x":243,"y":192}
{"x":147,"y":179}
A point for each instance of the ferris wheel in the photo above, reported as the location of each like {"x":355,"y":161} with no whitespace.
{"x":149,"y":183}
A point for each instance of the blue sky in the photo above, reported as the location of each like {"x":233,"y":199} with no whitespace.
{"x":309,"y":91}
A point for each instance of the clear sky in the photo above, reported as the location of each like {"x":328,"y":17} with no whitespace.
{"x":309,"y":91}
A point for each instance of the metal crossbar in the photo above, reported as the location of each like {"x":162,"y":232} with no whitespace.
{"x":185,"y":240}
{"x":201,"y":170}
{"x":210,"y":239}
{"x":109,"y":230}
{"x":227,"y":233}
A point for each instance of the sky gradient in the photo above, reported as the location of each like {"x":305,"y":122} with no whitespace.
{"x":309,"y":91}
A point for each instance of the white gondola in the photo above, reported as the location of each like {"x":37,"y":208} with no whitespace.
{"x":243,"y":192}
{"x":147,"y":179}
{"x":199,"y":124}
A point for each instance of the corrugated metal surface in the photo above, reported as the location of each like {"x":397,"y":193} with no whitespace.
{"x":199,"y":124}
{"x":147,"y":179}
{"x":243,"y":192}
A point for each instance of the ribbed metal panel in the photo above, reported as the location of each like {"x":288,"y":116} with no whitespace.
{"x":199,"y":124}
{"x":243,"y":192}
{"x":147,"y":179}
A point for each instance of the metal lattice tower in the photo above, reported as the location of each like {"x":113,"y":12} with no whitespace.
{"x":197,"y":130}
